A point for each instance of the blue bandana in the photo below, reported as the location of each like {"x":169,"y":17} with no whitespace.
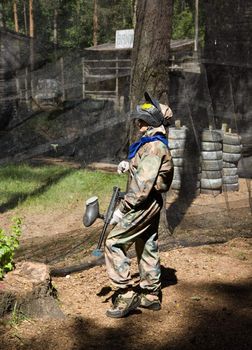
{"x":136,"y":145}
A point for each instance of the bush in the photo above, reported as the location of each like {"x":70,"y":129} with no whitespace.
{"x":9,"y":242}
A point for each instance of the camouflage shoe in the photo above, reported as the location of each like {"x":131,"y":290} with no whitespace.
{"x":123,"y":304}
{"x":149,"y":301}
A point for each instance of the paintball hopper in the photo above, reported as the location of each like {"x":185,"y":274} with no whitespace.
{"x":91,"y":212}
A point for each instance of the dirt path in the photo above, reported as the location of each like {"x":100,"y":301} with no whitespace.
{"x":206,"y":304}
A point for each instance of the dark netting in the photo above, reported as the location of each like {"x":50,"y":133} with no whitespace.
{"x":83,"y":89}
{"x":53,"y":97}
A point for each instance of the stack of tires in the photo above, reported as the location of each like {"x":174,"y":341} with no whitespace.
{"x":177,"y":138}
{"x":211,"y":162}
{"x":232,"y":149}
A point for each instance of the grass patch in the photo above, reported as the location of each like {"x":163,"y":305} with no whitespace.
{"x":53,"y":186}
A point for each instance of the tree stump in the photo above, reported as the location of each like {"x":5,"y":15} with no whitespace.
{"x":28,"y":290}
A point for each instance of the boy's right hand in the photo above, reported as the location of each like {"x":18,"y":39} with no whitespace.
{"x":123,"y":166}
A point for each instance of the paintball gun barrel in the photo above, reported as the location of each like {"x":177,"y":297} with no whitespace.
{"x":92,"y":213}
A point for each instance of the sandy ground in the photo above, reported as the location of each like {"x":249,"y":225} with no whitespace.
{"x":206,"y":289}
{"x":206,"y":304}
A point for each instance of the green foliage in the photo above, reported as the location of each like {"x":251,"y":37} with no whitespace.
{"x":9,"y":242}
{"x":183,"y":21}
{"x":17,"y":316}
{"x":74,"y":20}
{"x":112,"y":16}
{"x":183,"y":25}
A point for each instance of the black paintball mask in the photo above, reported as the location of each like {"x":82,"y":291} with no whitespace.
{"x":148,"y":113}
{"x":151,"y":112}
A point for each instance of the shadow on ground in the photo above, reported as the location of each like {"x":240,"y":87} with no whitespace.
{"x":224,"y":324}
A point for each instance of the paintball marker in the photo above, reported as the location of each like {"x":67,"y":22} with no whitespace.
{"x":92,"y":213}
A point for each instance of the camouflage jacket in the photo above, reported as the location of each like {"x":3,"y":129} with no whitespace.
{"x":151,"y":167}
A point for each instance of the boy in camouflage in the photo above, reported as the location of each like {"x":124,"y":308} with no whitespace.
{"x":137,"y":217}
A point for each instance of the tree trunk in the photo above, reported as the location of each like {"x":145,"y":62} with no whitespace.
{"x":15,"y":16}
{"x":25,"y":17}
{"x":150,"y":59}
{"x":134,"y":6}
{"x":55,"y":27}
{"x":95,"y":24}
{"x":2,"y":19}
{"x":28,"y":290}
{"x":31,"y":18}
{"x":31,"y":31}
{"x":150,"y":56}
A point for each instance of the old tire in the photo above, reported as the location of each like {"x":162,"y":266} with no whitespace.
{"x":177,"y":153}
{"x":229,"y":165}
{"x":231,"y":157}
{"x":217,"y":174}
{"x":211,"y":136}
{"x":210,"y":192}
{"x":177,"y":133}
{"x":230,"y":187}
{"x":232,"y":139}
{"x":176,"y":184}
{"x":210,"y":165}
{"x":211,"y":183}
{"x":232,"y":148}
{"x":211,"y":155}
{"x":211,"y":146}
{"x":187,"y":177}
{"x":229,"y":171}
{"x":177,"y":173}
{"x":178,"y":162}
{"x":231,"y":179}
{"x":176,"y":143}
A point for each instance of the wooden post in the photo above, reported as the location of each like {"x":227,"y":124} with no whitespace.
{"x":117,"y":84}
{"x":26,"y":86}
{"x":224,"y":127}
{"x":178,"y":124}
{"x":83,"y":78}
{"x":62,"y":77}
{"x":18,"y":86}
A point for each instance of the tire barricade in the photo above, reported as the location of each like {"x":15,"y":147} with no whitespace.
{"x":232,"y":149}
{"x":177,"y":139}
{"x":211,"y":162}
{"x":219,"y":156}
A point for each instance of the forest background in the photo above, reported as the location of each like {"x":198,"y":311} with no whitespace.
{"x":83,"y":23}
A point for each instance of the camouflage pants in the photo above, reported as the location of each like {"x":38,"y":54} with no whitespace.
{"x":139,"y":227}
